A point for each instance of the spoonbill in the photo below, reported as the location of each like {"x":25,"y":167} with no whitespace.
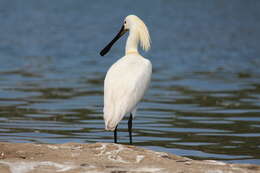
{"x":128,"y":78}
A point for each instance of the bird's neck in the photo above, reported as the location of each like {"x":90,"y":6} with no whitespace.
{"x":132,"y":42}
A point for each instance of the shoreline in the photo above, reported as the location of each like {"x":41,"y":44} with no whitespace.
{"x":104,"y":158}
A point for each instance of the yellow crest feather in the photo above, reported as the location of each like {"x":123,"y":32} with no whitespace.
{"x":143,"y":33}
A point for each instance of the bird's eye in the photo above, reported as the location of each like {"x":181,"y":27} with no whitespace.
{"x":125,"y":22}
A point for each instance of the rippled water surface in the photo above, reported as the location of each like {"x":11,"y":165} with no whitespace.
{"x":204,"y":99}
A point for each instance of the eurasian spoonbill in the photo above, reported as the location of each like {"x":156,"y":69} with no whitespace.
{"x":127,"y":80}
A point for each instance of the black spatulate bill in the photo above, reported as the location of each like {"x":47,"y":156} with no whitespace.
{"x":108,"y":47}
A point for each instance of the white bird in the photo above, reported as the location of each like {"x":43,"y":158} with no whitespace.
{"x":127,"y":80}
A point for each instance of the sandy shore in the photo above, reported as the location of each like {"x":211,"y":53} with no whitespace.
{"x":104,"y":158}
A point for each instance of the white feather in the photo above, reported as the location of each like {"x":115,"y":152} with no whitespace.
{"x":127,"y":80}
{"x":141,"y":31}
{"x":125,"y":84}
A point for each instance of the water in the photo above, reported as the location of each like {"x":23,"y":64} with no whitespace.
{"x":204,"y":99}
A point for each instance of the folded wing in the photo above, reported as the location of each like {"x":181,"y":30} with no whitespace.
{"x":125,"y":85}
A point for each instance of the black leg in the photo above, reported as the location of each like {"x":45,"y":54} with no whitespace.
{"x":115,"y":135}
{"x":130,"y":128}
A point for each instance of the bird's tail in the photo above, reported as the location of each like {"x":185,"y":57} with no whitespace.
{"x":112,"y":117}
{"x":112,"y":121}
{"x":110,"y":125}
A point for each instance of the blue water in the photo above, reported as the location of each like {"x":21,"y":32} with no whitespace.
{"x":204,"y":99}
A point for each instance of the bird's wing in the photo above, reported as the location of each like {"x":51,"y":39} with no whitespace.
{"x":125,"y":85}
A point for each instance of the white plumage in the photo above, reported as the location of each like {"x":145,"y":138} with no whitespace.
{"x":127,"y":80}
{"x":125,"y":84}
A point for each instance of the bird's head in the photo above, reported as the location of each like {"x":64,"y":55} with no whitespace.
{"x":134,"y":24}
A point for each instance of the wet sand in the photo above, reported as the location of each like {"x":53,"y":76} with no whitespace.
{"x":104,"y":158}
